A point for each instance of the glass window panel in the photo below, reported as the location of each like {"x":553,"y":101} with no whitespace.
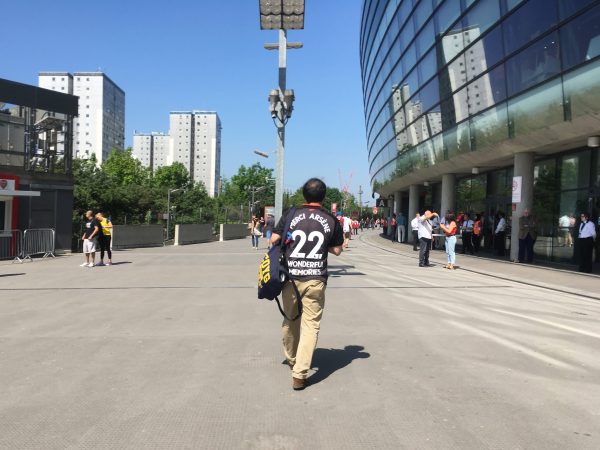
{"x":569,"y":7}
{"x":422,"y":13}
{"x":510,"y":4}
{"x":461,"y":104}
{"x":435,"y":120}
{"x":570,"y":204}
{"x":537,"y":109}
{"x":487,"y":90}
{"x":446,"y":15}
{"x":580,"y":39}
{"x":410,"y":58}
{"x":430,"y":94}
{"x":483,"y":15}
{"x":484,"y":53}
{"x":575,"y":170}
{"x":457,"y":140}
{"x":410,"y":85}
{"x":544,"y":196}
{"x":428,"y":66}
{"x":425,"y":39}
{"x":490,"y":127}
{"x":533,"y":65}
{"x":407,"y":34}
{"x":448,"y":114}
{"x":528,"y":22}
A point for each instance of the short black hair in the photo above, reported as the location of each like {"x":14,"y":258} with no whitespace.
{"x":314,"y":190}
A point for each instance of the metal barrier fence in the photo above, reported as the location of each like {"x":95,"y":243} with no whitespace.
{"x":38,"y":242}
{"x":11,"y":245}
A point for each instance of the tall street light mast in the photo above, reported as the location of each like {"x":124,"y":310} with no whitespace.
{"x":281,"y":15}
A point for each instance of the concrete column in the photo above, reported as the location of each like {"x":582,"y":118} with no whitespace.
{"x":524,"y":168}
{"x":397,"y":202}
{"x":413,"y":206}
{"x":448,"y":193}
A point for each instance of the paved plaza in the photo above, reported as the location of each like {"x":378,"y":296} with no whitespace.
{"x":170,"y":349}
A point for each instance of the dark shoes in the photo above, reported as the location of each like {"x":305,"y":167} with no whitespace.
{"x":298,"y":384}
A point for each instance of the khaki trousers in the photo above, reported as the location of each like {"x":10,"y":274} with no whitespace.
{"x":300,"y":336}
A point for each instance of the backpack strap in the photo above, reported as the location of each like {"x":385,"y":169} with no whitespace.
{"x":299,"y":303}
{"x":282,"y":244}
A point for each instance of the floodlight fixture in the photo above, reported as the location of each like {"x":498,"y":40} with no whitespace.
{"x":289,"y":45}
{"x":263,"y":154}
{"x":281,"y":14}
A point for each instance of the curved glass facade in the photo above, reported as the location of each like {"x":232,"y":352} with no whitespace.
{"x":445,"y":78}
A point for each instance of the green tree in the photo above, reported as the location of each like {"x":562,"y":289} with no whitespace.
{"x":194,"y":205}
{"x":174,"y":176}
{"x":124,"y":169}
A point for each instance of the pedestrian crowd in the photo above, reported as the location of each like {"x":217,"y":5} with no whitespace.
{"x":430,"y":231}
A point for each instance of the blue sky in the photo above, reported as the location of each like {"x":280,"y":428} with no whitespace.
{"x":208,"y":54}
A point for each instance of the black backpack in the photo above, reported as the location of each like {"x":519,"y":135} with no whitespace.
{"x":273,"y":272}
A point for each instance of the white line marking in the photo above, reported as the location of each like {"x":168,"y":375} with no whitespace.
{"x":547,"y":322}
{"x":512,"y":345}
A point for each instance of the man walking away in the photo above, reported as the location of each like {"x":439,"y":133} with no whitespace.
{"x":527,"y":236}
{"x":414,"y":224}
{"x":313,"y":233}
{"x":347,"y":226}
{"x":401,"y":228}
{"x":104,"y":239}
{"x":90,"y":239}
{"x":587,"y":236}
{"x":425,"y":233}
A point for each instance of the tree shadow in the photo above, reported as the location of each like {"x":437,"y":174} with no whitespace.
{"x":326,"y":361}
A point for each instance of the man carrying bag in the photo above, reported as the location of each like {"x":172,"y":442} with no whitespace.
{"x":311,"y":232}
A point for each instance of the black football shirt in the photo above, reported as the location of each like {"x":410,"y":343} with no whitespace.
{"x":313,"y":231}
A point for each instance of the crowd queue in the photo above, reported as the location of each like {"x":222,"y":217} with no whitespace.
{"x":476,"y":231}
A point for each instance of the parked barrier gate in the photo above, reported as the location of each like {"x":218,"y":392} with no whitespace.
{"x":38,"y":242}
{"x":11,"y":245}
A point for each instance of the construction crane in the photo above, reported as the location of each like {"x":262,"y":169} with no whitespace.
{"x":345,"y":189}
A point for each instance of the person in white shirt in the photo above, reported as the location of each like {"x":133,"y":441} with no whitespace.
{"x":564,"y":226}
{"x":500,"y":234}
{"x":587,"y":236}
{"x":414,"y":225}
{"x":346,"y":225}
{"x":467,"y":234}
{"x":425,"y":232}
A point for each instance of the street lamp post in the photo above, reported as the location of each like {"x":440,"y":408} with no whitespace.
{"x":169,"y":192}
{"x":255,"y":190}
{"x":281,"y":15}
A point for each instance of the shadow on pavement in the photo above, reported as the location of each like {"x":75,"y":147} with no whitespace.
{"x":326,"y":361}
{"x":338,"y":270}
{"x":121,"y":262}
{"x":11,"y":274}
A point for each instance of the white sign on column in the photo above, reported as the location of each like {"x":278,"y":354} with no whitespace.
{"x":516,"y":189}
